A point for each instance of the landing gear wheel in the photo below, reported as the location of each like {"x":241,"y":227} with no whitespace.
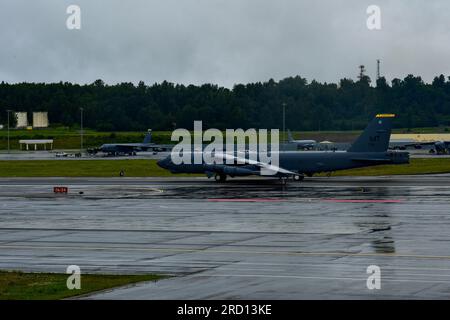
{"x":220,"y":177}
{"x":298,"y":177}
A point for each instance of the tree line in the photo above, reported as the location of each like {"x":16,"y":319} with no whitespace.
{"x":311,"y":105}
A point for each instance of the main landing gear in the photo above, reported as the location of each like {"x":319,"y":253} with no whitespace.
{"x":220,"y":177}
{"x":297,"y":178}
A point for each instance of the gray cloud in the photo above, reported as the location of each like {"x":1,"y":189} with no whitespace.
{"x":220,"y":41}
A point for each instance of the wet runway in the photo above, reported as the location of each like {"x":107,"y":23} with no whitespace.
{"x":249,"y":239}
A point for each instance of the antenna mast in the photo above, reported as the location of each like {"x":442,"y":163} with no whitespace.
{"x":378,"y":69}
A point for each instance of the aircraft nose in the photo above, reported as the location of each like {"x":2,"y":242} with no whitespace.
{"x":164,"y":163}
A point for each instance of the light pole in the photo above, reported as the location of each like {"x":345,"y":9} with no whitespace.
{"x":81,"y":131}
{"x":8,"y":111}
{"x":284,"y":121}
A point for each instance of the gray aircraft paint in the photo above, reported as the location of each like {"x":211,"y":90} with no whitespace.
{"x":369,"y":149}
{"x":301,"y":144}
{"x":119,"y":148}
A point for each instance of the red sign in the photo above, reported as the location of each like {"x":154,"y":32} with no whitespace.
{"x":60,"y":189}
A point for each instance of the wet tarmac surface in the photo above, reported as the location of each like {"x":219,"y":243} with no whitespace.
{"x":247,"y":239}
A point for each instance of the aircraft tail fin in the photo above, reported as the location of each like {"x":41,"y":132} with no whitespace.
{"x":148,"y":137}
{"x":375,"y":137}
{"x":290,"y":139}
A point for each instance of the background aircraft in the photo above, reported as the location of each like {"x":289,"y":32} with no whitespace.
{"x":302,"y":144}
{"x":131,"y":148}
{"x":438,"y":147}
{"x":369,"y":149}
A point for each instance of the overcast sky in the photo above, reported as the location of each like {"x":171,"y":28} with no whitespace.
{"x":220,"y":41}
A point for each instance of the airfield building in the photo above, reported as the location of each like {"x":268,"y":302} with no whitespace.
{"x":25,"y":144}
{"x":40,"y":119}
{"x":22,"y":119}
{"x":420,"y":137}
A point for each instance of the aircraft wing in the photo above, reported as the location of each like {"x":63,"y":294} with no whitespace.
{"x":122,"y":147}
{"x":426,"y":143}
{"x":270,"y":169}
{"x":128,"y":147}
{"x":157,"y":147}
{"x":447,"y":143}
{"x":371,"y":160}
{"x":411,"y":144}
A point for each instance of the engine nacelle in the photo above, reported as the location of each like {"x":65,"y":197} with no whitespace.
{"x":440,"y":147}
{"x":229,"y":170}
{"x":237,"y":171}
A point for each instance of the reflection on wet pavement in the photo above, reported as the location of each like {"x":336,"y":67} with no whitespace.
{"x":243,"y":240}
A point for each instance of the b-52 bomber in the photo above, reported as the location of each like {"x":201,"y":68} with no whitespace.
{"x":116,"y":149}
{"x":301,"y":144}
{"x":369,"y":149}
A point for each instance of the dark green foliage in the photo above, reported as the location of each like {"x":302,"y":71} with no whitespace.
{"x":164,"y":106}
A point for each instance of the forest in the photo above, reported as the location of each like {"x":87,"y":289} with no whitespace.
{"x":346,"y":105}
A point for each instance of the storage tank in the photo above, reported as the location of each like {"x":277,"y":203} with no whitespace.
{"x":22,"y":120}
{"x":40,"y":119}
